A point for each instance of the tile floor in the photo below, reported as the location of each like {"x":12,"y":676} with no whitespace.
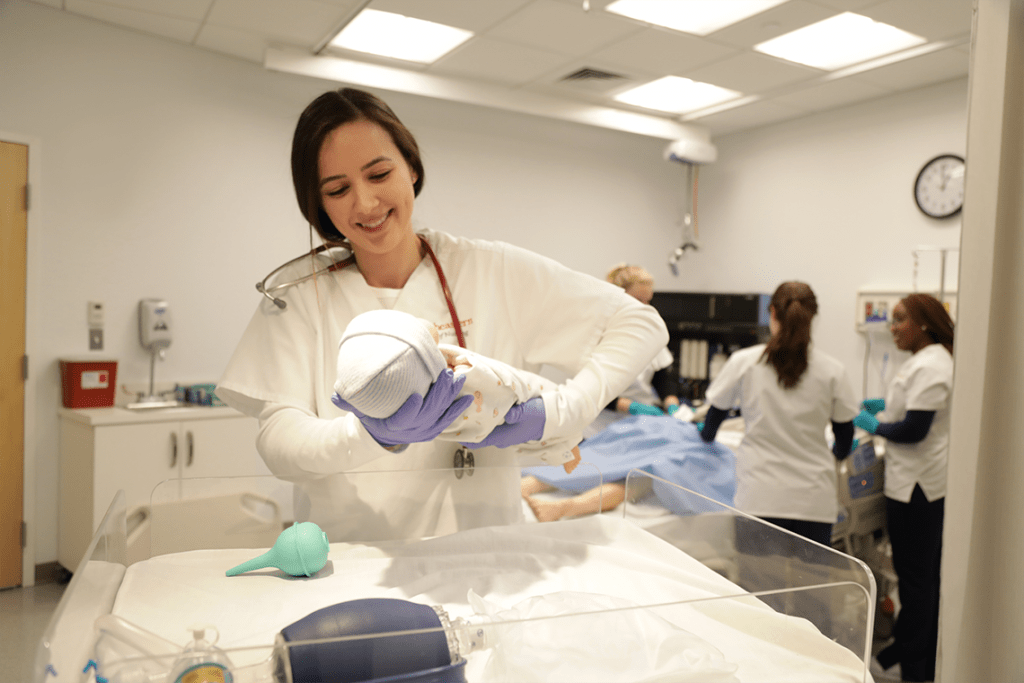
{"x":24,"y":614}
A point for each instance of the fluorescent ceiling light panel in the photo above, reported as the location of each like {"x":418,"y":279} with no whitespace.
{"x":839,"y":41}
{"x":676,"y":95}
{"x":400,"y":37}
{"x":699,"y":17}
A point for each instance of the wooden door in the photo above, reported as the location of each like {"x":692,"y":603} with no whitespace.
{"x":13,"y":240}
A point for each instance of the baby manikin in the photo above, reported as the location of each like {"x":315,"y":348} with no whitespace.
{"x":386,"y":356}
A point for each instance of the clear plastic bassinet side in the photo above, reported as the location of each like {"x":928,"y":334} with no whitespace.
{"x":533,"y":601}
{"x":65,"y":647}
{"x":793,"y":575}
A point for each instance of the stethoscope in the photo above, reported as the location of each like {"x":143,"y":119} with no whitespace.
{"x":464,"y":462}
{"x":349,"y":260}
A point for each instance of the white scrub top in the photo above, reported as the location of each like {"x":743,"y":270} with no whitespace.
{"x":924,"y":382}
{"x":784,"y":467}
{"x":514,"y":306}
{"x":640,"y":389}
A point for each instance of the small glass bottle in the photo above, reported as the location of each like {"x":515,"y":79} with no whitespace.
{"x":201,"y":661}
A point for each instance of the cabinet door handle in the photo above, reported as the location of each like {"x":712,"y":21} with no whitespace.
{"x":191,"y":448}
{"x":174,"y":450}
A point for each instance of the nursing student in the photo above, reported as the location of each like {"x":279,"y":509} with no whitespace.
{"x":357,"y":171}
{"x":788,"y":393}
{"x":914,"y":420}
{"x":654,"y":391}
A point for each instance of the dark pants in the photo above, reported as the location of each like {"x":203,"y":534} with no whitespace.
{"x":816,"y":531}
{"x":770,"y":559}
{"x":915,"y":531}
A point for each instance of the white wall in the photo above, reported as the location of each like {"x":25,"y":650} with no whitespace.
{"x":828,"y":199}
{"x":164,"y":172}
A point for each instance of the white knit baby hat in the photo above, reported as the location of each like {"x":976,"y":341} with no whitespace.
{"x":383,"y":358}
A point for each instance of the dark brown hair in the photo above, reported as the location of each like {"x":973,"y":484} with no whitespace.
{"x":322,"y":116}
{"x":926,"y":310}
{"x":795,"y":305}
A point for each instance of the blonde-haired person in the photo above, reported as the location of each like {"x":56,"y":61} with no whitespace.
{"x":914,"y":419}
{"x":655,"y":386}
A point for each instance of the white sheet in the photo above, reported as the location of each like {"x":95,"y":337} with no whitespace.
{"x":504,"y":565}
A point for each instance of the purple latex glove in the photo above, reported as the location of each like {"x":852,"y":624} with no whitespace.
{"x":523,"y":422}
{"x":419,"y":419}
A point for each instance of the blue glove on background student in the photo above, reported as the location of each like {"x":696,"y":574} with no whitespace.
{"x":637,"y":408}
{"x":873,"y":405}
{"x":866,"y":421}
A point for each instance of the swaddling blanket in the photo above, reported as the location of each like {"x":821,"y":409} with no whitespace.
{"x":737,"y":638}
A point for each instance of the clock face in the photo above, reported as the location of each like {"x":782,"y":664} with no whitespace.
{"x":939,"y":188}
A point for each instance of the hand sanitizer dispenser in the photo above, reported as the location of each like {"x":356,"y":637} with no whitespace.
{"x":154,"y":325}
{"x":155,"y":337}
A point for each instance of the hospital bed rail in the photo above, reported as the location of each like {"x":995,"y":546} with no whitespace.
{"x":800,"y":584}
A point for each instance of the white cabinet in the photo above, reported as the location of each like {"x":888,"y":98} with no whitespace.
{"x":103,"y":450}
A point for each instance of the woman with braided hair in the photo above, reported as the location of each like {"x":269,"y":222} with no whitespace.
{"x":787,"y":392}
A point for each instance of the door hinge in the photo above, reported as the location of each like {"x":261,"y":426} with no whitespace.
{"x":24,"y":368}
{"x":26,"y":197}
{"x":24,"y":535}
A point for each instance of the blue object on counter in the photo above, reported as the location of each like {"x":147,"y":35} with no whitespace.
{"x":198,"y":394}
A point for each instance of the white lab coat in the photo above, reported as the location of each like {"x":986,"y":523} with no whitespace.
{"x":640,"y":389}
{"x":784,"y":467}
{"x":515,"y":306}
{"x":924,"y":382}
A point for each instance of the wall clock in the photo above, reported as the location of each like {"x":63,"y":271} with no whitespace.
{"x":939,"y":187}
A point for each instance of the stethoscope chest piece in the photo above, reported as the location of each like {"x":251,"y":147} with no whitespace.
{"x":464,"y":462}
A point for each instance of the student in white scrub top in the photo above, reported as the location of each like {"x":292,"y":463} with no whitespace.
{"x":356,"y":170}
{"x":788,"y":392}
{"x":914,"y":419}
{"x":654,"y":391}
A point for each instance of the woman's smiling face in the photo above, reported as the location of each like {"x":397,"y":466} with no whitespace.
{"x":366,"y":187}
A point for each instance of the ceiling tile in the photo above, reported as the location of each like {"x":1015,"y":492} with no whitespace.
{"x":752,"y":115}
{"x":157,"y":24}
{"x":931,"y":19}
{"x":59,"y":4}
{"x":831,"y":94}
{"x":847,"y":5}
{"x":498,"y":61}
{"x":182,"y":9}
{"x":943,"y":65}
{"x":231,"y":41}
{"x":472,"y":15}
{"x":301,"y":22}
{"x":662,"y":51}
{"x":752,"y":73}
{"x":553,"y":25}
{"x":771,"y":23}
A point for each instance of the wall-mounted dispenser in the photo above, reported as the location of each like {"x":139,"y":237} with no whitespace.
{"x":155,"y":336}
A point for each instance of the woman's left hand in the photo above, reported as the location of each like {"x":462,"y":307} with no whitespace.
{"x":523,"y":422}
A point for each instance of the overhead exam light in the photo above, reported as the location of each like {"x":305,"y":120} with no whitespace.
{"x":690,"y":152}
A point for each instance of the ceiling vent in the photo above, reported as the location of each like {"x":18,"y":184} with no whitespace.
{"x":588,"y":74}
{"x":595,"y":80}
